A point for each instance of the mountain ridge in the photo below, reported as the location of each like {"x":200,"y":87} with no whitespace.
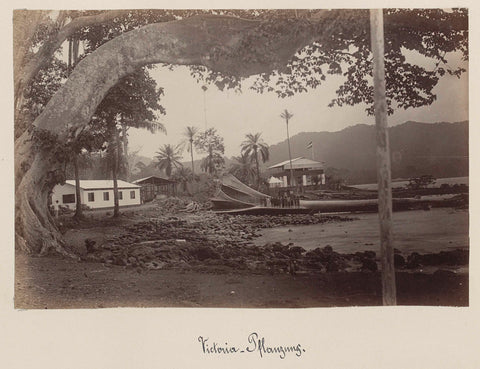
{"x":417,"y":148}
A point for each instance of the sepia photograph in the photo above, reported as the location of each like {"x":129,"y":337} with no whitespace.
{"x":235,"y":158}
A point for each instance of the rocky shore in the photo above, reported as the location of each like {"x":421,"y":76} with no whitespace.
{"x":221,"y":243}
{"x":153,"y":258}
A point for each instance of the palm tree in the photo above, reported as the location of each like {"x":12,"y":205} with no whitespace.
{"x":168,"y":157}
{"x":151,"y":125}
{"x":113,"y":161}
{"x":242,"y":168}
{"x":252,"y":146}
{"x":184,"y":176}
{"x":190,"y":133}
{"x":286,"y":115}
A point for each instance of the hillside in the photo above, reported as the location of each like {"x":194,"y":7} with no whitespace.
{"x":439,"y":149}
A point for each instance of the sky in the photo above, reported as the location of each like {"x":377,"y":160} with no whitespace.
{"x":236,"y":114}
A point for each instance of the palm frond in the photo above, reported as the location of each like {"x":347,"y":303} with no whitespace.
{"x":190,"y":132}
{"x":286,"y":115}
{"x":169,"y":156}
{"x":253,"y":144}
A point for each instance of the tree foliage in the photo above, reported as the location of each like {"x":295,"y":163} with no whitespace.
{"x":345,"y":50}
{"x":168,"y":157}
{"x":243,"y":168}
{"x":189,"y":133}
{"x":336,"y":178}
{"x":38,"y":93}
{"x":184,"y":176}
{"x":253,"y":146}
{"x":339,"y":45}
{"x":210,"y":143}
{"x":133,"y":102}
{"x":212,"y":163}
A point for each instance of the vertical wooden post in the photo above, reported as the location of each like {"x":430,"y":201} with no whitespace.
{"x":115,"y":165}
{"x":383,"y":159}
{"x":204,"y":88}
{"x":72,"y":62}
{"x":286,"y":115}
{"x":289,"y":154}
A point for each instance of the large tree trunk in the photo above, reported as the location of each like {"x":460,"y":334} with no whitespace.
{"x":116,"y":204}
{"x":78,"y":199}
{"x":191,"y":153}
{"x":115,"y":165}
{"x":258,"y":170}
{"x":72,"y":61}
{"x":35,"y":229}
{"x":186,"y":42}
{"x":25,"y":24}
{"x":125,"y":150}
{"x":210,"y":160}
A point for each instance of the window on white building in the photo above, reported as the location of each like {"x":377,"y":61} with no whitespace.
{"x":120,"y":195}
{"x":106,"y":196}
{"x":91,"y":196}
{"x":132,"y":194}
{"x":68,"y":199}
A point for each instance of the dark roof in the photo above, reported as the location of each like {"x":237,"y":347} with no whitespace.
{"x":153,"y":179}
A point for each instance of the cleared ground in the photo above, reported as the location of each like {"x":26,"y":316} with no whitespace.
{"x":56,"y":283}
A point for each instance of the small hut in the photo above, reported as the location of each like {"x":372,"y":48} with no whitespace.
{"x":153,"y":187}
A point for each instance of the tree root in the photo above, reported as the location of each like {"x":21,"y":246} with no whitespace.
{"x":35,"y":232}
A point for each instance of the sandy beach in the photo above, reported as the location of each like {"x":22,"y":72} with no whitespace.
{"x":420,"y":231}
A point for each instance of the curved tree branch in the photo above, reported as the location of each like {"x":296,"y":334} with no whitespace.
{"x":213,"y":41}
{"x":44,"y":54}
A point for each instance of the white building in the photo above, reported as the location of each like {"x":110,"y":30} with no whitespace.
{"x":96,"y":194}
{"x":306,"y":172}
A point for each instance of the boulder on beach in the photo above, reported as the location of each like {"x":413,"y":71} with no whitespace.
{"x":295,"y":251}
{"x":332,"y":266}
{"x":413,"y":260}
{"x":369,"y":265}
{"x":454,"y":257}
{"x":398,"y":261}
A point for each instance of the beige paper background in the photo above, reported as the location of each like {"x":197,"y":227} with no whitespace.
{"x":376,"y":337}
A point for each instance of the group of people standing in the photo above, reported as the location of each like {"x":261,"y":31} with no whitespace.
{"x":282,"y":200}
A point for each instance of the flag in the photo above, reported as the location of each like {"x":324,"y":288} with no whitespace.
{"x":310,"y":145}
